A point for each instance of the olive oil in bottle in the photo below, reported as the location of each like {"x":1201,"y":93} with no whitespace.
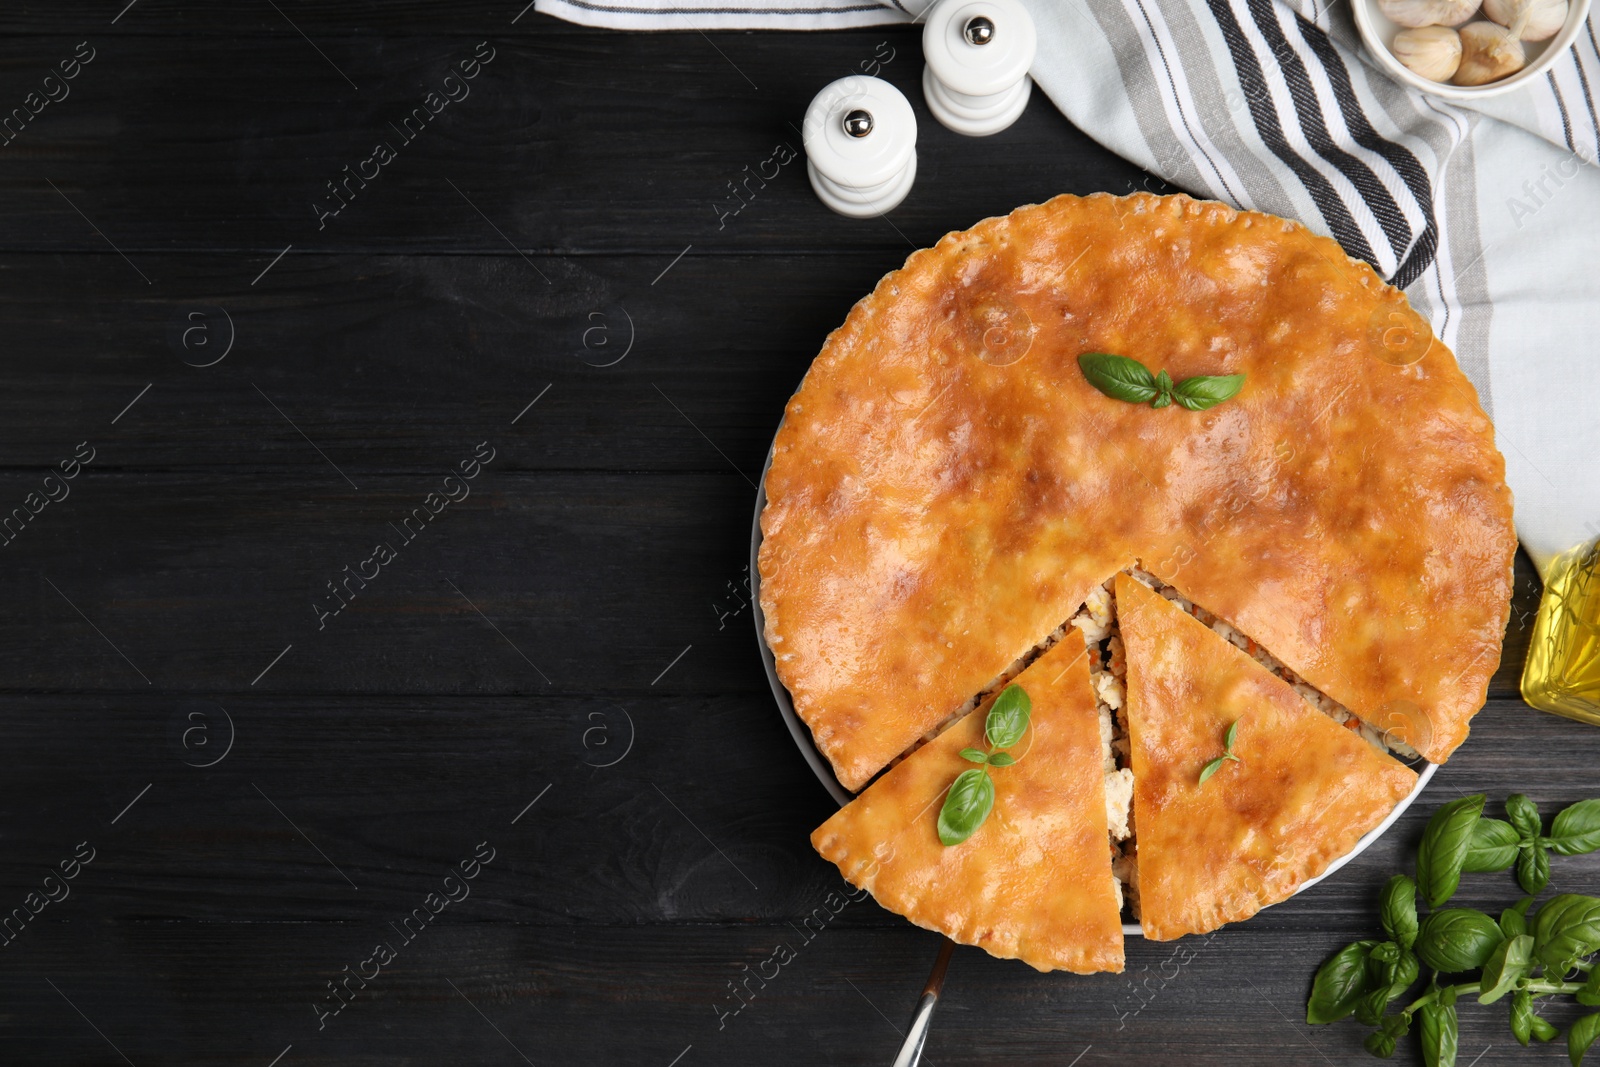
{"x":1562,"y":673}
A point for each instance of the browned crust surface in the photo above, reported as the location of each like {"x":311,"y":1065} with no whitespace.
{"x":1034,"y":882}
{"x":1303,"y":792}
{"x":932,"y":514}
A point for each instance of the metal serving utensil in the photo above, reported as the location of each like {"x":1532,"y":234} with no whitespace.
{"x":922,"y":1019}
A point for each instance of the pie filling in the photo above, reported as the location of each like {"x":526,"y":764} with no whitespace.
{"x":1096,"y":622}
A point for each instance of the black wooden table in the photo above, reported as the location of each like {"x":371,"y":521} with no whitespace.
{"x":383,"y":390}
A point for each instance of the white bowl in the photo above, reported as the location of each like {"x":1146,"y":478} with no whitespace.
{"x":1377,"y":33}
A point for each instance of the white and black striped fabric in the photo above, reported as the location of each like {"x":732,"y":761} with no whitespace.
{"x":1488,"y":217}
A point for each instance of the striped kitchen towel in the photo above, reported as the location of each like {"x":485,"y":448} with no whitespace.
{"x":1487,"y":216}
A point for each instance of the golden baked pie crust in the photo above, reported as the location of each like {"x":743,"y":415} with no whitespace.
{"x":946,"y":486}
{"x":1304,"y":792}
{"x":1034,"y":882}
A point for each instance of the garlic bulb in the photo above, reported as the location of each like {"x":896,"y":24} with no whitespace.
{"x":1414,"y":14}
{"x":1545,"y":17}
{"x":1489,"y":52}
{"x":1433,"y":52}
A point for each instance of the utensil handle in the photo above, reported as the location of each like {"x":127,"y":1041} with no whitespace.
{"x":922,"y":1019}
{"x":911,"y":1052}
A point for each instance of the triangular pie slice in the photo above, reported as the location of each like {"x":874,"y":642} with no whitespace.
{"x":1303,"y":791}
{"x":1034,"y":882}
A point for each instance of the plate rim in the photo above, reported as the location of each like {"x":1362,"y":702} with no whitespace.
{"x":842,"y":796}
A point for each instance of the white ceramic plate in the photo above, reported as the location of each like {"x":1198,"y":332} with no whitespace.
{"x":819,"y":765}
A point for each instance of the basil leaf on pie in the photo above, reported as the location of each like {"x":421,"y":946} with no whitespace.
{"x":1163,"y":390}
{"x":1119,"y":377}
{"x":1207,"y":390}
{"x":966,"y":806}
{"x":1008,"y":719}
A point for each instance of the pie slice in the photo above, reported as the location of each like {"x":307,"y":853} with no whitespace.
{"x":1034,"y":882}
{"x":1303,"y":791}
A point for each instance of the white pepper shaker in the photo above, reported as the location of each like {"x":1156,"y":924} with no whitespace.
{"x":861,"y":146}
{"x":978,"y":52}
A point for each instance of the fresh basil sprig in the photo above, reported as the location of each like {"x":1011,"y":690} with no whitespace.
{"x":1521,"y":841}
{"x":1399,"y":911}
{"x":1227,"y":754}
{"x":1523,"y":956}
{"x":1576,"y":830}
{"x":1458,"y":939}
{"x":971,"y":795}
{"x":1123,"y":378}
{"x":1444,"y":848}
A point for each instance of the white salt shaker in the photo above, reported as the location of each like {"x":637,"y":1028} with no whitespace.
{"x":978,"y":52}
{"x":861,"y":146}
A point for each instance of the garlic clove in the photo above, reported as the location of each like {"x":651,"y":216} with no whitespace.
{"x":1545,"y":17}
{"x":1489,"y":52}
{"x":1414,"y":14}
{"x":1433,"y":52}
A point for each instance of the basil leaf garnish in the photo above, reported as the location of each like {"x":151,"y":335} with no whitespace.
{"x":1207,"y":391}
{"x":1227,"y":753}
{"x":1339,"y":984}
{"x":1576,"y":830}
{"x":1369,"y":1008}
{"x":1008,"y":717}
{"x":1493,"y":847}
{"x":1581,"y":1036}
{"x":1440,"y":1032}
{"x":1123,"y":378}
{"x":1163,"y":390}
{"x":1457,"y":939}
{"x":1398,"y":912}
{"x":1403,"y":972}
{"x":968,"y":803}
{"x":1565,"y":928}
{"x":1533,"y":867}
{"x":1381,"y":1042}
{"x":1511,"y":960}
{"x":1118,"y":377}
{"x":1522,"y":1016}
{"x":1589,"y":995}
{"x":1444,"y":848}
{"x":971,"y":795}
{"x":1524,"y":815}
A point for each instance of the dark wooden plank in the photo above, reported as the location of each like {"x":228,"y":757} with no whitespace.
{"x":387,"y":361}
{"x":202,"y":579}
{"x":563,"y":143}
{"x":325,"y":21}
{"x":704,"y":817}
{"x":215,"y":993}
{"x":678,"y":809}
